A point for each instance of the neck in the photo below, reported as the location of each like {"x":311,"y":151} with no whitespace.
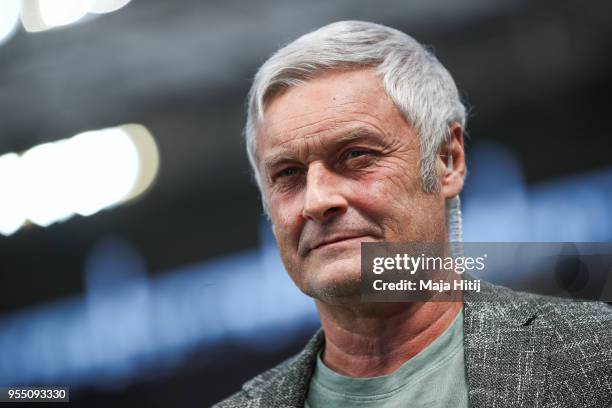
{"x":376,"y":339}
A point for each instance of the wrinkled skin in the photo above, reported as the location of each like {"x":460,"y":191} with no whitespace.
{"x":339,"y":161}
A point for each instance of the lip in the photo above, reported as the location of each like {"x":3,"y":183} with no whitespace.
{"x":336,"y":240}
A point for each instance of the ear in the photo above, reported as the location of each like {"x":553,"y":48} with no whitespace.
{"x":453,"y":156}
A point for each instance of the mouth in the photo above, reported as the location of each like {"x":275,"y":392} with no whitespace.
{"x":337,"y":241}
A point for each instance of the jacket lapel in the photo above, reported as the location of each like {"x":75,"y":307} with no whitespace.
{"x":291,"y":387}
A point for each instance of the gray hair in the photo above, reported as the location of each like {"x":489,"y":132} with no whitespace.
{"x":414,"y":79}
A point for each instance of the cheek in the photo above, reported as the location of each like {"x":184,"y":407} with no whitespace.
{"x":392,"y":199}
{"x":286,"y":220}
{"x":384,"y":189}
{"x":366,"y":195}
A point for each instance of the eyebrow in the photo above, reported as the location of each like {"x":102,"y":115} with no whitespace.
{"x":358,"y":134}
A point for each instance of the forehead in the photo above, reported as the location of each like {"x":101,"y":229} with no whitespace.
{"x":322,"y":107}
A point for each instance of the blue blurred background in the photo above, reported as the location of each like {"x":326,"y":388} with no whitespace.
{"x":169,"y":291}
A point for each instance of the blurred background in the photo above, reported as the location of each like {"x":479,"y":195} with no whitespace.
{"x":135,"y":264}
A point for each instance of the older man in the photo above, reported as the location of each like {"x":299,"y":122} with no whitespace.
{"x":355,"y":134}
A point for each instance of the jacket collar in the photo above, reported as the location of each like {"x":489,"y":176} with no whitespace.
{"x":289,"y":387}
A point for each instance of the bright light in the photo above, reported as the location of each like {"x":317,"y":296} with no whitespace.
{"x":45,"y":170}
{"x":56,"y":13}
{"x":81,"y":175}
{"x":107,"y":6}
{"x":108,"y":164}
{"x":149,"y":158}
{"x":12,"y":215}
{"x":40,"y":15}
{"x":9,"y":17}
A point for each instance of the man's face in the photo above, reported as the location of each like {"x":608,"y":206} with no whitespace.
{"x":340,"y":166}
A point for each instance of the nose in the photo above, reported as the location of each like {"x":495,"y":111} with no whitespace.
{"x":323,"y":199}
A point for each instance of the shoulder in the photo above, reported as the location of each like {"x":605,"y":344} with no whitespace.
{"x":578,"y":333}
{"x":579,"y":353}
{"x":290,"y":376}
{"x":563,"y":346}
{"x":565,"y":313}
{"x":568,"y":325}
{"x":580,"y":336}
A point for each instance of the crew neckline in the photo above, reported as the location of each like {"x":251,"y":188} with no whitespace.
{"x":439,"y":351}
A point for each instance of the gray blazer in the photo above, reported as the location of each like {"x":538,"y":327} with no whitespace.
{"x":521,"y":350}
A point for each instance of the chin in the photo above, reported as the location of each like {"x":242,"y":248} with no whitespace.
{"x":335,"y":281}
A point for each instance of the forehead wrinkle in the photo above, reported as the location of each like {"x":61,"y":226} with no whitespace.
{"x":334,"y":109}
{"x":345,"y":137}
{"x":333,"y":123}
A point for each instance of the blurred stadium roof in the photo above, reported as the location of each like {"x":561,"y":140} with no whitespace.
{"x":538,"y":75}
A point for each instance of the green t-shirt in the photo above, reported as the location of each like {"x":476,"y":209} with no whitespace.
{"x":433,"y":378}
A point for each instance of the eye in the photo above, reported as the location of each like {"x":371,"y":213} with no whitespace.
{"x":358,"y":158}
{"x":289,"y":172}
{"x":357,"y":153}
